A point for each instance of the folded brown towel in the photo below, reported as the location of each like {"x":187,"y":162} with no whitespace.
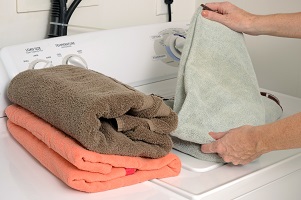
{"x":103,"y":114}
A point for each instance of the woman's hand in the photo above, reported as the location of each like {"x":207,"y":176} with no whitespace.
{"x":237,"y":19}
{"x":231,"y":16}
{"x":238,"y":146}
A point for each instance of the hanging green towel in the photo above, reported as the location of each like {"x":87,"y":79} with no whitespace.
{"x":217,"y":88}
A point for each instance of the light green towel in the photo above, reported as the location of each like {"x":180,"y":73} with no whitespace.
{"x":217,"y":88}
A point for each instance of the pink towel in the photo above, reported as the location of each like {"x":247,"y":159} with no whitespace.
{"x":78,"y":167}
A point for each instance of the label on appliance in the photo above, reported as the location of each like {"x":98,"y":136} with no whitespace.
{"x":156,"y":37}
{"x":33,"y":50}
{"x":159,"y":57}
{"x":65,"y":44}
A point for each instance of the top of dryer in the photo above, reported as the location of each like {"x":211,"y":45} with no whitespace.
{"x":135,"y":55}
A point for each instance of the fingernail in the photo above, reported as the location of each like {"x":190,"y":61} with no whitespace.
{"x":205,"y":13}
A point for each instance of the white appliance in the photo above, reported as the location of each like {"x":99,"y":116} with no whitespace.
{"x":145,"y":57}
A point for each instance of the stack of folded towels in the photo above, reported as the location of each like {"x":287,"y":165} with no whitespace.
{"x":90,"y":130}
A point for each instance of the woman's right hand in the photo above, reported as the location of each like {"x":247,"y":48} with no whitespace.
{"x":231,"y":16}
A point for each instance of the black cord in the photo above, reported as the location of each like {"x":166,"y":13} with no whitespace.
{"x":55,"y":16}
{"x":63,"y":8}
{"x":169,"y":12}
{"x":169,"y":2}
{"x":68,"y":14}
{"x":71,"y":9}
{"x":60,"y":17}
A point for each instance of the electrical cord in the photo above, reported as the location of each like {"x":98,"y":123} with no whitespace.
{"x":54,"y":19}
{"x":71,"y":9}
{"x":68,"y":14}
{"x":63,"y":9}
{"x":60,"y":16}
{"x":169,"y":2}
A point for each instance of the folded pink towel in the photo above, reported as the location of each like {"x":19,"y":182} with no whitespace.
{"x":78,"y":167}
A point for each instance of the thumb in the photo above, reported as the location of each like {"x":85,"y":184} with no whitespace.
{"x":214,"y":16}
{"x":209,"y":148}
{"x":217,"y":135}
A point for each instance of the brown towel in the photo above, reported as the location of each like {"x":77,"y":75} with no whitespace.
{"x":103,"y":114}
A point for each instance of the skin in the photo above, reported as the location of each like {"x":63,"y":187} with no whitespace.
{"x":244,"y":144}
{"x":281,"y":25}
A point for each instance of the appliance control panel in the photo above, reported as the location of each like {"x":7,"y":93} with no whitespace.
{"x":152,"y":51}
{"x":136,"y":55}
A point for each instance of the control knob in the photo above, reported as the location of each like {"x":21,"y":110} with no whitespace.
{"x":40,"y":64}
{"x":75,"y":60}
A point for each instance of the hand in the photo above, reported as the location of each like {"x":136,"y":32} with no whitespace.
{"x":237,"y":146}
{"x":231,"y":16}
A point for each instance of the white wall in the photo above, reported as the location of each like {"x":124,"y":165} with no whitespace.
{"x":277,"y":61}
{"x":23,"y":27}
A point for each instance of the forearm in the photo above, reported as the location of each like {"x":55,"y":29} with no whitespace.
{"x":280,"y":135}
{"x":282,"y":25}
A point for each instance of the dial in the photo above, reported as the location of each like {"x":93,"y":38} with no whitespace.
{"x":179,"y":43}
{"x":40,"y":64}
{"x":169,"y":44}
{"x":174,"y":45}
{"x":75,"y":60}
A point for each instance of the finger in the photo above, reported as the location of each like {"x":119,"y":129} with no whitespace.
{"x":214,"y":16}
{"x":208,"y":148}
{"x":217,"y":135}
{"x":213,"y":6}
{"x":204,"y":13}
{"x":220,"y":7}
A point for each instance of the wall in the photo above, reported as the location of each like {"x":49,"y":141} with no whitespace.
{"x":24,"y":27}
{"x":276,"y":60}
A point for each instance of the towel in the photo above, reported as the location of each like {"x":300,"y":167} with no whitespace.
{"x":217,"y":88}
{"x":103,"y":114}
{"x":78,"y":167}
{"x":272,"y":105}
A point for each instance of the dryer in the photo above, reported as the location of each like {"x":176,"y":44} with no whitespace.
{"x":147,"y":58}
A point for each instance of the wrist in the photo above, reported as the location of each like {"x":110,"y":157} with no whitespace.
{"x":253,"y":26}
{"x":261,"y":135}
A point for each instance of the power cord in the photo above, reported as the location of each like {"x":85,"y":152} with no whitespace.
{"x":60,"y":16}
{"x":169,"y":2}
